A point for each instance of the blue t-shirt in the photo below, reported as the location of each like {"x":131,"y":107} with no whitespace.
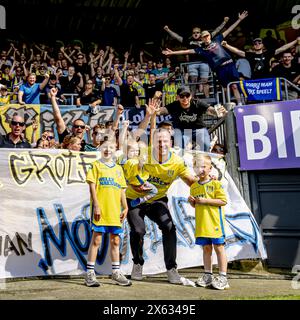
{"x":108,"y":96}
{"x":31,"y":93}
{"x":214,"y":53}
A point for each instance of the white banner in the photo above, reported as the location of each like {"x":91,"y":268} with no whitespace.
{"x":45,"y":226}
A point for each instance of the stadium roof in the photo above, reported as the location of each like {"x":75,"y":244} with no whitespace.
{"x":131,"y":20}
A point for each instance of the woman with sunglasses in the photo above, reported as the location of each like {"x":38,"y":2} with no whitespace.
{"x":89,"y":96}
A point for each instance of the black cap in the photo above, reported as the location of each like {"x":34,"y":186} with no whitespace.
{"x":183,"y":89}
{"x":166,"y":123}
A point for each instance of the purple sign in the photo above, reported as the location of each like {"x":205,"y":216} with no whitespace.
{"x":269,"y":135}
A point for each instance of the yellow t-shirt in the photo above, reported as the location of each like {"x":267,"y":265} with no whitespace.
{"x":161,"y":175}
{"x":170,"y":91}
{"x":5,"y":100}
{"x":132,"y":170}
{"x":209,"y":219}
{"x":109,"y":182}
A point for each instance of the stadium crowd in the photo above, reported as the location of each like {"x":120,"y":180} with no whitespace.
{"x":97,"y":76}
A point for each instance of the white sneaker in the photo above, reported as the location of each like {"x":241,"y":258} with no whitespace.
{"x":173,"y":276}
{"x":90,"y":279}
{"x":119,"y":278}
{"x":205,"y":280}
{"x":220,"y":283}
{"x":137,"y":272}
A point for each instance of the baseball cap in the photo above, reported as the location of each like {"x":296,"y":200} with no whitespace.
{"x":183,"y":90}
{"x":166,"y":123}
{"x":204,"y":33}
{"x":257,"y":39}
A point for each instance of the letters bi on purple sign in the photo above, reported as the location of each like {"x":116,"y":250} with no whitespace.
{"x":269,"y":135}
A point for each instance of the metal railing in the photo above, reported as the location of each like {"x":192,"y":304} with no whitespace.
{"x":214,"y":88}
{"x":286,"y":84}
{"x":71,"y":95}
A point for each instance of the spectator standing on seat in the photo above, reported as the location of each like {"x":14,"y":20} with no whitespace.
{"x":218,"y":59}
{"x":198,"y":67}
{"x":188,"y":114}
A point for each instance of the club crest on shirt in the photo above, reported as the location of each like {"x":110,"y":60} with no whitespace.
{"x":170,"y":173}
{"x":119,"y":174}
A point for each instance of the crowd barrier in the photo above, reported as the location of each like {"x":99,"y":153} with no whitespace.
{"x":45,"y":219}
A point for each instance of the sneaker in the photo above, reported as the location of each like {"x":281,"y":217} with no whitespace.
{"x":173,"y":276}
{"x":220,"y":282}
{"x":205,"y":280}
{"x":137,"y":272}
{"x":120,"y":279}
{"x":91,"y":280}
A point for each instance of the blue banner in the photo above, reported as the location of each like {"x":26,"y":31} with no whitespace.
{"x":261,"y":89}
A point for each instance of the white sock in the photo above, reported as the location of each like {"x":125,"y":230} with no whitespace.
{"x":115,"y":266}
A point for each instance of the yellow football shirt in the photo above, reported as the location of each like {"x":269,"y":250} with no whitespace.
{"x":109,"y":182}
{"x":209,"y":219}
{"x":132,"y":170}
{"x":161,"y":175}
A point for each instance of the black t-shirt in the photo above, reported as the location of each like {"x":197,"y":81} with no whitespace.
{"x":260,"y":63}
{"x":69,"y":85}
{"x":190,"y":118}
{"x":128,"y":94}
{"x":86,"y":99}
{"x":287,"y":73}
{"x":5,"y":142}
{"x":150,"y":89}
{"x":191,"y":43}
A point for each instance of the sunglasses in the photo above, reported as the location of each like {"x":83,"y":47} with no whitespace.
{"x":50,"y":138}
{"x":181,"y":96}
{"x":257,"y":42}
{"x":15,"y":123}
{"x":76,"y":126}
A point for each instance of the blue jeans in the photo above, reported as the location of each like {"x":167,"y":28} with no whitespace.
{"x":198,"y":137}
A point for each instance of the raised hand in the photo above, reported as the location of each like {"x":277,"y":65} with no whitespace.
{"x":53,"y":92}
{"x":120,"y":109}
{"x":167,"y":52}
{"x":243,"y":15}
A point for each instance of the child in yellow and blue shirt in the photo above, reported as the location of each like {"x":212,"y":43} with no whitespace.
{"x":109,"y":209}
{"x":208,"y":197}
